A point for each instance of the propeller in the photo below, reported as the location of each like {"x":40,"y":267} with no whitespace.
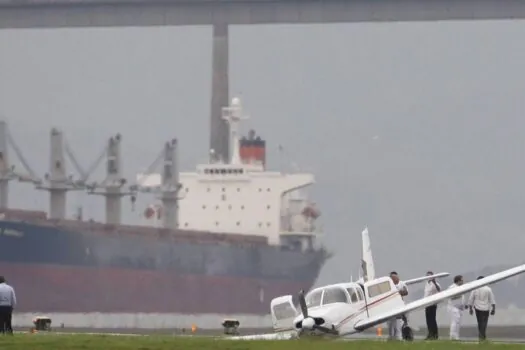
{"x":302,"y":303}
{"x":309,"y":322}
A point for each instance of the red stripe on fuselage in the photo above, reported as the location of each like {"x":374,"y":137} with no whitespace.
{"x":366,"y":307}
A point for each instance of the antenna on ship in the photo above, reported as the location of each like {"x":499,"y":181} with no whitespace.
{"x":114,"y":182}
{"x":8,"y":172}
{"x":57,"y":182}
{"x":233,"y":116}
{"x":167,"y":185}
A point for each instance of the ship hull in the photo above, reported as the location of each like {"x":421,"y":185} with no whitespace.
{"x":72,"y":289}
{"x":72,"y":271}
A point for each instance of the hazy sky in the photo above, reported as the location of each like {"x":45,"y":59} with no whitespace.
{"x":414,"y":129}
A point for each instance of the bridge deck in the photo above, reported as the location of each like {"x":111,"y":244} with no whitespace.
{"x":111,"y":13}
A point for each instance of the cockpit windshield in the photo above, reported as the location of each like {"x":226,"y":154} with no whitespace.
{"x":334,"y":295}
{"x":313,"y":299}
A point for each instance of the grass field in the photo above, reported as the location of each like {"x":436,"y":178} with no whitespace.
{"x":108,"y":342}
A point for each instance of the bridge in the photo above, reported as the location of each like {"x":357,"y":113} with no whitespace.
{"x":222,"y":13}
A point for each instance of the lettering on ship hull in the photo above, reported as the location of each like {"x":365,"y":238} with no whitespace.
{"x":9,"y":232}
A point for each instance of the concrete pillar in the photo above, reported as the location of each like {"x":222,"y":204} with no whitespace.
{"x":219,"y":140}
{"x":4,"y":167}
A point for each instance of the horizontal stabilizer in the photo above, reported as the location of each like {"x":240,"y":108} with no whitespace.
{"x":439,"y":297}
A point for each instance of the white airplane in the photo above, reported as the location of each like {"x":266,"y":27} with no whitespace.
{"x":347,"y":308}
{"x":336,"y":299}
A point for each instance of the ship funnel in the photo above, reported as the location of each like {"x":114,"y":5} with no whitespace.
{"x":252,"y":149}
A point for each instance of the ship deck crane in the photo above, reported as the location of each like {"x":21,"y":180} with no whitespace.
{"x":57,"y":182}
{"x":169,"y":188}
{"x":9,"y":172}
{"x":112,"y":187}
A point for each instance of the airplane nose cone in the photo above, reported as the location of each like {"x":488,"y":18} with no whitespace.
{"x":308,"y":323}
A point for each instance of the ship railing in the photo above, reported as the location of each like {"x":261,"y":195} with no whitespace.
{"x":305,"y":227}
{"x":23,"y":215}
{"x":180,"y":236}
{"x":299,"y":233}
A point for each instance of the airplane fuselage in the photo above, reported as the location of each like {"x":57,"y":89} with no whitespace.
{"x":336,"y":309}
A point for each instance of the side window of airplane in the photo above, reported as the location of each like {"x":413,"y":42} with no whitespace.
{"x":334,"y":295}
{"x":313,"y":299}
{"x":353,"y":294}
{"x":379,"y":288}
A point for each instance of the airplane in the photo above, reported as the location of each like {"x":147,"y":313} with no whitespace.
{"x":348,"y":308}
{"x":335,"y":307}
{"x":345,"y":309}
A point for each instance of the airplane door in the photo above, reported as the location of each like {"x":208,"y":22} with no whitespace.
{"x":380,"y":296}
{"x":283,"y":312}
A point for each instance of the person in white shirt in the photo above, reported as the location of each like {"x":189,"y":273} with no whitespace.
{"x":7,"y":303}
{"x":455,"y":308}
{"x":482,"y":300}
{"x":432,"y":287}
{"x":395,"y":324}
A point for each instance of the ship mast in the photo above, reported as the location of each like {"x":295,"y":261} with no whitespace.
{"x":169,"y":185}
{"x":233,"y":116}
{"x":58,"y":182}
{"x":112,"y":185}
{"x":7,"y":171}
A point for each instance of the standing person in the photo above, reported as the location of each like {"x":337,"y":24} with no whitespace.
{"x":482,"y":300}
{"x":7,"y":303}
{"x":432,"y":287}
{"x":455,"y":308}
{"x":395,"y":324}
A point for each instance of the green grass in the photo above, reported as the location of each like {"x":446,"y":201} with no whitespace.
{"x":101,"y":342}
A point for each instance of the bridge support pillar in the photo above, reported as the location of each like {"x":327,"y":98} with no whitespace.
{"x":219,"y":140}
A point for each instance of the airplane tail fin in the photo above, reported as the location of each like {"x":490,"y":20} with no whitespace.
{"x":367,"y":261}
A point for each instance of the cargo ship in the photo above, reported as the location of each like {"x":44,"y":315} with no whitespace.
{"x":224,"y":239}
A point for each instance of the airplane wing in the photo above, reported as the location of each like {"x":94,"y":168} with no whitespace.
{"x":426,"y":278}
{"x":436,"y":298}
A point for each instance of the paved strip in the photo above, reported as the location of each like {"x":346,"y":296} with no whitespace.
{"x":514,"y":334}
{"x":355,"y":337}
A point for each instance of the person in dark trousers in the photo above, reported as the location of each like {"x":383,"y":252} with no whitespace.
{"x":7,"y":303}
{"x":432,"y":287}
{"x":482,"y":300}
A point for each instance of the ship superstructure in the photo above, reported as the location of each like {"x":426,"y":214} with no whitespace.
{"x":241,"y":196}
